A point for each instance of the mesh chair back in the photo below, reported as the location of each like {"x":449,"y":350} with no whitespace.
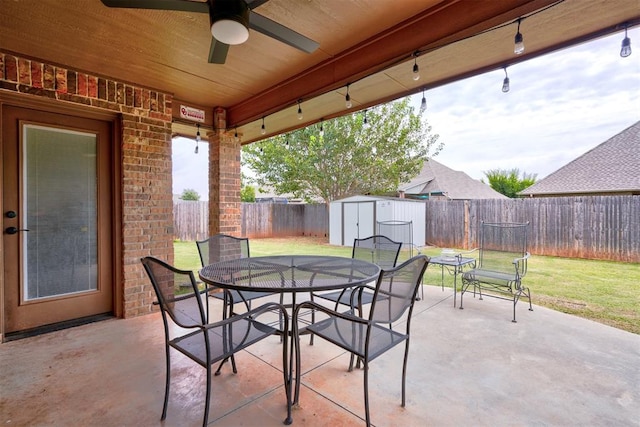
{"x":500,"y":244}
{"x":222,"y":247}
{"x":396,"y":290}
{"x":377,"y":249}
{"x":177,"y":293}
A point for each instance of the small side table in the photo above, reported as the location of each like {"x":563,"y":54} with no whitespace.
{"x":454,"y":265}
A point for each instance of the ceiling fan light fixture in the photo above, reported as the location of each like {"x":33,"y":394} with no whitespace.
{"x":230,"y":22}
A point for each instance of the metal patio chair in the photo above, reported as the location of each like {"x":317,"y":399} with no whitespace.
{"x":183,"y":304}
{"x":394,"y":294}
{"x":376,"y":249}
{"x":222,"y":247}
{"x":501,"y":265}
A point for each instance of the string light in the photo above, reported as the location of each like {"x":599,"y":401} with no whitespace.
{"x":235,"y":135}
{"x":625,"y":50}
{"x":519,"y":41}
{"x":518,"y":49}
{"x":299,"y":110}
{"x":505,"y":82}
{"x":347,"y":98}
{"x":198,"y":138}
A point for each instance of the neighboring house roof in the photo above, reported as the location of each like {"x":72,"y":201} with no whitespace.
{"x":611,"y":167}
{"x":437,"y":179}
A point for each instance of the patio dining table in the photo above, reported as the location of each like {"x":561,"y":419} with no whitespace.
{"x":291,"y":274}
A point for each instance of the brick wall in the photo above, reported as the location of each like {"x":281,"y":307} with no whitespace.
{"x":225,"y":215}
{"x":147,"y":208}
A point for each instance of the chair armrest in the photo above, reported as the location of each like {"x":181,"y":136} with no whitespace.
{"x":310,"y":304}
{"x":358,"y":290}
{"x":526,"y":256}
{"x":270,"y":306}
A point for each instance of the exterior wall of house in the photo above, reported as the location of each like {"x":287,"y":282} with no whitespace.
{"x":146,"y":172}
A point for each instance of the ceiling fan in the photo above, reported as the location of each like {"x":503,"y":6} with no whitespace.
{"x":230,"y":22}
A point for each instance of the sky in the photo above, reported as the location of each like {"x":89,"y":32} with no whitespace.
{"x":560,"y":106}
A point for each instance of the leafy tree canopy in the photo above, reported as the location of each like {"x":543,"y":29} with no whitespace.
{"x":350,"y":157}
{"x":189,"y":194}
{"x":508,"y":182}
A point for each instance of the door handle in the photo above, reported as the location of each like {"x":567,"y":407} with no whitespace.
{"x":14,"y":230}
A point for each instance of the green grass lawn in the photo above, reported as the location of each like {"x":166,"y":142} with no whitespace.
{"x":603,"y":291}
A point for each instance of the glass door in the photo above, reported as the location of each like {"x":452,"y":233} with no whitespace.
{"x":57,"y":220}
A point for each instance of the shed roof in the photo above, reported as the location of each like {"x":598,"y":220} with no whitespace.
{"x":611,"y":167}
{"x":436,"y":178}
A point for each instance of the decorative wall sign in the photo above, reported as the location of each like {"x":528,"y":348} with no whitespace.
{"x":191,"y":113}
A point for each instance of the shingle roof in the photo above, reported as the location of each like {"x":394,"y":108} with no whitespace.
{"x":436,"y":178}
{"x":611,"y":167}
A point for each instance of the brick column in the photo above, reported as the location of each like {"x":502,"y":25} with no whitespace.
{"x":224,"y":178}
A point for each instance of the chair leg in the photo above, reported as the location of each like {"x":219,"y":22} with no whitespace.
{"x":208,"y":394}
{"x":404,"y":372}
{"x":166,"y":385}
{"x":366,"y":393}
{"x":313,"y":319}
{"x":233,"y":365}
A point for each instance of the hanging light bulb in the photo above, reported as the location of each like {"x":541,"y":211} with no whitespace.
{"x":626,"y":44}
{"x":416,"y":68}
{"x":263,"y":130}
{"x":365,"y":122}
{"x":235,"y":135}
{"x":321,"y":127}
{"x":505,"y":82}
{"x":423,"y":104}
{"x":347,"y":98}
{"x":519,"y":41}
{"x":198,"y":138}
{"x":299,"y":110}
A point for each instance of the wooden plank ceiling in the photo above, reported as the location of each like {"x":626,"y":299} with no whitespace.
{"x":369,"y":44}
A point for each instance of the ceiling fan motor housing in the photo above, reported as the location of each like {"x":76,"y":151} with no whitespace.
{"x":225,"y":15}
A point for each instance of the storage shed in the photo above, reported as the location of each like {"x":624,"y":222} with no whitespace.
{"x":359,"y":216}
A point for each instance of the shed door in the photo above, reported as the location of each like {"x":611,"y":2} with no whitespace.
{"x":358,"y":221}
{"x":57,"y":219}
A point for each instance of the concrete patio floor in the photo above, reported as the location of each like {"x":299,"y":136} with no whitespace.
{"x":466,"y":367}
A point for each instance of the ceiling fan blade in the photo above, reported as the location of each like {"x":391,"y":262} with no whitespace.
{"x":181,"y":5}
{"x":218,"y":52}
{"x":279,"y":32}
{"x":255,"y":3}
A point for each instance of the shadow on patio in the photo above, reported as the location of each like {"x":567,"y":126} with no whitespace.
{"x":466,"y":367}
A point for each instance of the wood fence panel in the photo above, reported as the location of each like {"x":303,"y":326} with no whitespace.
{"x":257,"y":220}
{"x":190,"y":220}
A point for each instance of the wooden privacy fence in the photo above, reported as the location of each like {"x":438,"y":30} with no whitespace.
{"x":592,"y":227}
{"x":191,"y":219}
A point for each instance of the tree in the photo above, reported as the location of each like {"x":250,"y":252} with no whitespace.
{"x":349,"y":157}
{"x":508,"y":182}
{"x":190,"y":194}
{"x":247,"y":194}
